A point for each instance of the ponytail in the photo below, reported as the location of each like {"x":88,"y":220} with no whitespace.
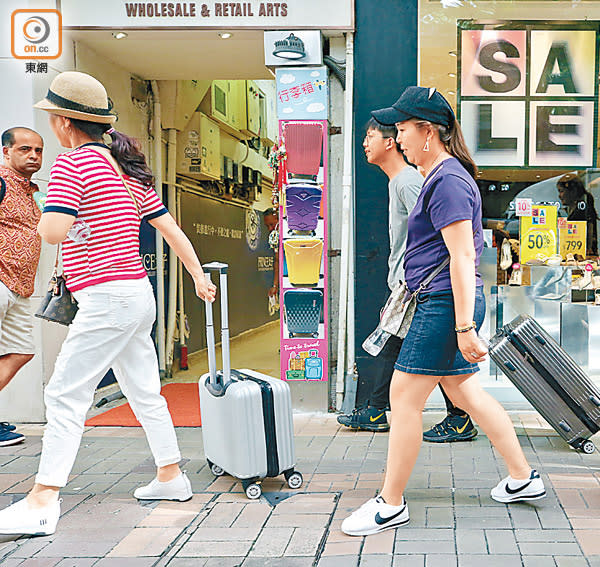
{"x":455,"y":143}
{"x":124,"y":149}
{"x":127,"y":151}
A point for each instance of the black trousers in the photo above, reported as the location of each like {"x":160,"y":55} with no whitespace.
{"x":380,"y":394}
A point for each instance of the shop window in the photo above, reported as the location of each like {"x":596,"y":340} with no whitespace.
{"x":526,"y":93}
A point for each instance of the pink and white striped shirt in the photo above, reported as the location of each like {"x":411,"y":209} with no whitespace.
{"x":84,"y":184}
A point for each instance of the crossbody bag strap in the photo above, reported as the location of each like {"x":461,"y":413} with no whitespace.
{"x":111,"y":161}
{"x":433,"y":274}
{"x":55,"y":271}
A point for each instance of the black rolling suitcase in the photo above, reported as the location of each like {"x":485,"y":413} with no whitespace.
{"x":550,"y":379}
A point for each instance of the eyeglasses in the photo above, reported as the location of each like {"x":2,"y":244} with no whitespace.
{"x":370,"y":137}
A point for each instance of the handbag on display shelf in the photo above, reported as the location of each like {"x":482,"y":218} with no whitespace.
{"x":399,"y":309}
{"x":58,"y":305}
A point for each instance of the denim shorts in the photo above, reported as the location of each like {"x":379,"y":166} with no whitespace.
{"x":430,"y":347}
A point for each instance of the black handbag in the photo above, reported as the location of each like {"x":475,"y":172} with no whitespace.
{"x":58,"y":305}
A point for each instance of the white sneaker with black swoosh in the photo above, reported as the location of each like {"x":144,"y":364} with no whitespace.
{"x":511,"y":490}
{"x":375,"y":516}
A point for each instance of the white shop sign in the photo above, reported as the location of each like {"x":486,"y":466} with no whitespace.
{"x":254,"y":14}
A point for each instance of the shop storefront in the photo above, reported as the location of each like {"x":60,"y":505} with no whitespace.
{"x":192,"y":82}
{"x":526,"y":93}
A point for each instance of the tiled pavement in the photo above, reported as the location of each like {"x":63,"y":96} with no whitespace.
{"x":453,"y":520}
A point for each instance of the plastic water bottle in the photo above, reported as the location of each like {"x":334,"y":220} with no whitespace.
{"x":376,"y":341}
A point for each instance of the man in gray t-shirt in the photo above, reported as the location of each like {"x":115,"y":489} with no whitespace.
{"x":405,"y":181}
{"x":404,"y":188}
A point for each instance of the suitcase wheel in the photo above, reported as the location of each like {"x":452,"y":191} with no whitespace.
{"x":252,"y":489}
{"x":294,"y":479}
{"x":216,"y":469}
{"x":584,"y":445}
{"x":588,"y":447}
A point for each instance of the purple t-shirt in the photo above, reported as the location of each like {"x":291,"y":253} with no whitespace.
{"x":449,"y":194}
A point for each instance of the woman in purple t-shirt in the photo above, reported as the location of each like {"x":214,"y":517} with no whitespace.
{"x":442,"y":345}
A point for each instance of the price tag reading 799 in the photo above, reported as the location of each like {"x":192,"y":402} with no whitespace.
{"x":572,"y":237}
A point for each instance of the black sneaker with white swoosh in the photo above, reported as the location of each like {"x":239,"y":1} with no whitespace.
{"x":511,"y":490}
{"x":375,"y":516}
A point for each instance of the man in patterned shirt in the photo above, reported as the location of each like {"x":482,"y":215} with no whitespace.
{"x":20,"y":247}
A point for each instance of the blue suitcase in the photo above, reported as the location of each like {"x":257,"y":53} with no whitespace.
{"x":303,"y":309}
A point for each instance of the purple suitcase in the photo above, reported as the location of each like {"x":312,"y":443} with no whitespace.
{"x":302,"y":205}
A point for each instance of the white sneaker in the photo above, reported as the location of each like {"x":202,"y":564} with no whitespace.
{"x":178,"y":489}
{"x":511,"y":490}
{"x":375,"y":516}
{"x":21,"y":519}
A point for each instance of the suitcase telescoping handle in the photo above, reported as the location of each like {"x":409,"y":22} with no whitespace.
{"x":216,"y":386}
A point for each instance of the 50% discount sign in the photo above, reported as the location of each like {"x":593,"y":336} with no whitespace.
{"x":538,"y":233}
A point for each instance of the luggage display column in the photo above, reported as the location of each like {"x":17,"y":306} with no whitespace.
{"x":302,"y":103}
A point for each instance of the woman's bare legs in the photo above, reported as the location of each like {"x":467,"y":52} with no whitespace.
{"x":467,"y":393}
{"x":408,"y":394}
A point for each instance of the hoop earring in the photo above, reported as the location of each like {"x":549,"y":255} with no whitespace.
{"x":426,"y":146}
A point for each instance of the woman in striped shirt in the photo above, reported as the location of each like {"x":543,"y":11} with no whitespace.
{"x":97,"y":197}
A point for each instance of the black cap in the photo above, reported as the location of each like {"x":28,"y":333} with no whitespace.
{"x":417,"y":102}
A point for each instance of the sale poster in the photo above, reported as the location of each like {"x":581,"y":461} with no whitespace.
{"x":528,"y":97}
{"x":572,"y":237}
{"x":538,"y":233}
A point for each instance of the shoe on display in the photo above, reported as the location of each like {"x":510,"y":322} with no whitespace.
{"x":452,"y":428}
{"x":375,"y":516}
{"x":511,"y":490}
{"x":178,"y":489}
{"x":8,"y":437}
{"x":6,"y":425}
{"x":368,"y":418}
{"x":20,"y":518}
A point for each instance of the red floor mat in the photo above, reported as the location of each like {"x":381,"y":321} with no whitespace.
{"x":182,"y":400}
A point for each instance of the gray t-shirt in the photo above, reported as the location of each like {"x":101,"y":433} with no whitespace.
{"x":404,"y":190}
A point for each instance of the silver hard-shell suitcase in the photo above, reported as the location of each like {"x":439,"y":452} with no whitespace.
{"x":247,"y":424}
{"x":550,"y":379}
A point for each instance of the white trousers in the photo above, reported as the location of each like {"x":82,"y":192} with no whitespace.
{"x":111,"y":330}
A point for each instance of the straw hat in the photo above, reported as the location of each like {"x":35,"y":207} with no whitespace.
{"x":78,"y":95}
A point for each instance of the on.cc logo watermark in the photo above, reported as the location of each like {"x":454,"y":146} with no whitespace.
{"x":36,"y":34}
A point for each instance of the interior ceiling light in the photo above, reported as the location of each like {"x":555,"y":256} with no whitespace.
{"x":225,"y":35}
{"x":291,"y":47}
{"x":119,"y":35}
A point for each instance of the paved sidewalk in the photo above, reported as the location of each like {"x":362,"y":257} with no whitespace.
{"x":453,"y":520}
